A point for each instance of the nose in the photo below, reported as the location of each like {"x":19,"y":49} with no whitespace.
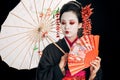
{"x":67,"y":26}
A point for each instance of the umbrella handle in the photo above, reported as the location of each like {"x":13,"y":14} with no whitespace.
{"x":56,"y":45}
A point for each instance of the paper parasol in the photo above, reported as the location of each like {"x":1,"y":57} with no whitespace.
{"x":28,"y":29}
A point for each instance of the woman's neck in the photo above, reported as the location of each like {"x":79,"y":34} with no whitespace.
{"x":71,"y":41}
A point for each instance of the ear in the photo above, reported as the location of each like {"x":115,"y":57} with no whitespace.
{"x":80,"y":25}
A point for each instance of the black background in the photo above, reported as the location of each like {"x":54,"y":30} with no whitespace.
{"x":104,"y":22}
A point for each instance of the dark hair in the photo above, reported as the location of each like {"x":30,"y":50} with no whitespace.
{"x":76,"y":7}
{"x":72,"y":6}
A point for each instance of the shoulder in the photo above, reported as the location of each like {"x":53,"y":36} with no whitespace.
{"x":53,"y":45}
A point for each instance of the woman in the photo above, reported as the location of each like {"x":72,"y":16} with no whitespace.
{"x":53,"y":63}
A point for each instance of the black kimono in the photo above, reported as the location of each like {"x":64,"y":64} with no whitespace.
{"x":48,"y":68}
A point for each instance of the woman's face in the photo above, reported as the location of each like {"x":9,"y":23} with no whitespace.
{"x":70,"y":24}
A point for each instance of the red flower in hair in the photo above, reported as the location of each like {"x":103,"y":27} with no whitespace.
{"x":86,"y":13}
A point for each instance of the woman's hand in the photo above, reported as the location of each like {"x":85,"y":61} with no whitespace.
{"x":63,"y":62}
{"x":95,"y":66}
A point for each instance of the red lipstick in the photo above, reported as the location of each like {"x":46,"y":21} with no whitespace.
{"x":67,"y":32}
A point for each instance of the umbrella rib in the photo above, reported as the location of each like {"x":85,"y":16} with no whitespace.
{"x":26,"y":52}
{"x":56,"y":44}
{"x":53,"y":25}
{"x":11,"y":53}
{"x":57,"y":4}
{"x":17,"y":26}
{"x":51,"y":19}
{"x":52,"y":38}
{"x":47,"y":40}
{"x":36,"y":11}
{"x":28,"y":12}
{"x":43,"y":43}
{"x":55,"y":8}
{"x":29,"y":50}
{"x":23,"y":59}
{"x":22,"y":19}
{"x":11,"y":43}
{"x":32,"y":55}
{"x":39,"y":39}
{"x":56,"y":32}
{"x":19,"y":52}
{"x":14,"y":35}
{"x":42,"y":7}
{"x":33,"y":50}
{"x":42,"y":40}
{"x":48,"y":8}
{"x":52,"y":22}
{"x":39,"y":43}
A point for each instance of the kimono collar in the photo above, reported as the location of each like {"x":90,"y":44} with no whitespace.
{"x":69,"y":42}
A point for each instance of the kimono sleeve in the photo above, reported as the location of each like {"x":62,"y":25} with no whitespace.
{"x":48,"y":68}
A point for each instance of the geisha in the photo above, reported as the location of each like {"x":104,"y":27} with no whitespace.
{"x":54,"y":65}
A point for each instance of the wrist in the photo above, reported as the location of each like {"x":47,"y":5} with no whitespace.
{"x":92,"y":77}
{"x":62,"y":69}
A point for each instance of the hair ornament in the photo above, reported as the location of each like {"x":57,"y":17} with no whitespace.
{"x":86,"y":13}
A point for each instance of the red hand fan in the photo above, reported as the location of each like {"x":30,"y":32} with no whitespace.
{"x":82,"y":53}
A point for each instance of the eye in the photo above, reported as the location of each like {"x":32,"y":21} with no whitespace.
{"x":71,"y":22}
{"x":63,"y":23}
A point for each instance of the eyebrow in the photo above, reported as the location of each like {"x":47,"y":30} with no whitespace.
{"x":69,"y":20}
